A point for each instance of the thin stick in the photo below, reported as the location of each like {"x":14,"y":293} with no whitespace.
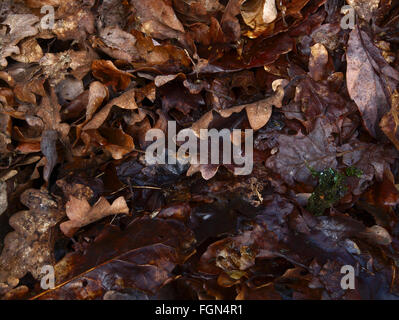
{"x":146,"y":187}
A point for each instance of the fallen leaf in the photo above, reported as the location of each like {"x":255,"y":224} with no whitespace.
{"x":299,"y":152}
{"x":147,"y":252}
{"x":258,"y":13}
{"x":29,"y":247}
{"x":49,"y":150}
{"x":108,"y":74}
{"x":119,"y":44}
{"x":157,"y":18}
{"x":124,"y":101}
{"x":97,"y":94}
{"x":369,"y":79}
{"x":3,"y":197}
{"x":21,"y":27}
{"x":364,"y":8}
{"x":80,"y":213}
{"x":30,"y":51}
{"x":390,"y":121}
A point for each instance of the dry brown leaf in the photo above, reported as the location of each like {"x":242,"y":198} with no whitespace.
{"x":259,"y":13}
{"x":318,"y":61}
{"x":124,"y":101}
{"x":208,"y":171}
{"x":142,"y":257}
{"x":30,"y":51}
{"x":258,"y":113}
{"x":21,"y":27}
{"x":49,"y":112}
{"x":119,"y":143}
{"x":157,"y":18}
{"x":114,"y":140}
{"x":364,"y":8}
{"x":81,"y":62}
{"x":97,"y":94}
{"x":27,"y":91}
{"x":56,"y":65}
{"x":118,"y":44}
{"x":108,"y":74}
{"x":203,"y":122}
{"x":7,"y":78}
{"x":162,"y":80}
{"x":75,"y":24}
{"x":81,"y":213}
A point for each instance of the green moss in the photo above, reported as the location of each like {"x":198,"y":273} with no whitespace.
{"x":353,"y":172}
{"x":332,"y":186}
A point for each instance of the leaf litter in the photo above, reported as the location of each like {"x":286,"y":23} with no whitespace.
{"x":76,"y":192}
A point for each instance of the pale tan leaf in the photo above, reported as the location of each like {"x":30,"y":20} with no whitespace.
{"x":81,"y":214}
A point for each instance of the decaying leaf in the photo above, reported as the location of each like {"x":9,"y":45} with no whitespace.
{"x":369,"y":79}
{"x":317,"y":107}
{"x":119,"y":44}
{"x":29,"y":247}
{"x":30,"y":51}
{"x":364,"y":8}
{"x":299,"y":152}
{"x":143,"y":258}
{"x":75,"y":24}
{"x":21,"y":27}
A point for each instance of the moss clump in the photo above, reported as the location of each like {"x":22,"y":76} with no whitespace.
{"x":331,"y":188}
{"x":353,"y":172}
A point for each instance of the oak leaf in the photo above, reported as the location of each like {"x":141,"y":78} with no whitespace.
{"x":81,"y":213}
{"x":299,"y":152}
{"x":21,"y":26}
